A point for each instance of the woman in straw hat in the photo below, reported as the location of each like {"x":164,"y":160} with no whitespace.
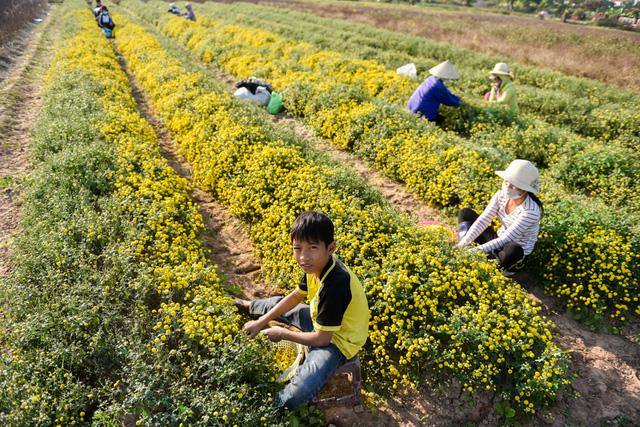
{"x":503,"y":90}
{"x":519,"y":212}
{"x":432,"y":92}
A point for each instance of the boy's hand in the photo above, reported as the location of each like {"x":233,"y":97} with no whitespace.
{"x":252,"y":328}
{"x":275,"y":333}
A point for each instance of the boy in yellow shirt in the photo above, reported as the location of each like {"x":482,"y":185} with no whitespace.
{"x":335,"y":323}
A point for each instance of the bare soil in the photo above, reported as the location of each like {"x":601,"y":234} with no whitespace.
{"x":20,"y":99}
{"x":606,"y":367}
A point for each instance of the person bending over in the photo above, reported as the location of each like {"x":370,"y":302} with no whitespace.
{"x":432,"y":92}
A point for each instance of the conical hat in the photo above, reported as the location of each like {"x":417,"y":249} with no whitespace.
{"x":445,"y":70}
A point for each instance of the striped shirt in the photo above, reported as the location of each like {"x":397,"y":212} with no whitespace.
{"x":521,"y":226}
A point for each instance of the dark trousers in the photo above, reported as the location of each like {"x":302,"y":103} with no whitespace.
{"x":511,"y":256}
{"x":438,"y":120}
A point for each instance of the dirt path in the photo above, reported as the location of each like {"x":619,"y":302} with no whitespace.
{"x":225,"y":236}
{"x":20,"y":100}
{"x":606,"y":368}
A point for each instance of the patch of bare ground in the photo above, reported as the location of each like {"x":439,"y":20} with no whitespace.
{"x":20,"y":99}
{"x":477,"y":32}
{"x":607,"y":367}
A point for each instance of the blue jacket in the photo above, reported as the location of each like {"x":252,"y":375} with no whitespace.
{"x":427,"y":98}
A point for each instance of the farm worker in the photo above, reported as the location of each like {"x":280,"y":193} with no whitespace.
{"x":335,"y":323}
{"x":173,"y":8}
{"x":432,"y":92}
{"x":503,"y":90}
{"x":519,"y":212}
{"x":189,"y":13}
{"x":97,"y":9}
{"x":104,"y":19}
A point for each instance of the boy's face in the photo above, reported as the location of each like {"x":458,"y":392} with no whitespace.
{"x":312,"y":256}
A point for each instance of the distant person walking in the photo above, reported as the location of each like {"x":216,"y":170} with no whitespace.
{"x":189,"y":13}
{"x":173,"y":8}
{"x":503,"y":90}
{"x":432,"y":92}
{"x":97,"y":9}
{"x":104,"y":19}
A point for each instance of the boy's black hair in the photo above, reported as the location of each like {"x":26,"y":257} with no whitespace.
{"x":312,"y":226}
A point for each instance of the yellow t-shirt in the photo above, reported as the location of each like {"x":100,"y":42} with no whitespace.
{"x":338,"y":303}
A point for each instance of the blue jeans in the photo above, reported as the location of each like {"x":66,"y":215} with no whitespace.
{"x":319,"y":365}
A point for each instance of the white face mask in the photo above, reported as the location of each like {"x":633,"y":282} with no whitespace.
{"x":512,"y":193}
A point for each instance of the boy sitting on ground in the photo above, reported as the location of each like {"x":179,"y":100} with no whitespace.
{"x":334,"y":325}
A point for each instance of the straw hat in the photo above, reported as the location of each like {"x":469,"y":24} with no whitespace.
{"x":445,"y":70}
{"x":502,"y":69}
{"x":523,"y":174}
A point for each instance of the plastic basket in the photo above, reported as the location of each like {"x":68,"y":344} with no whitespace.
{"x":287,"y":374}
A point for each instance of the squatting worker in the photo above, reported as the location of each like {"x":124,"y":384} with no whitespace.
{"x":334,"y":325}
{"x":519,"y":212}
{"x":173,"y":8}
{"x":503,"y":91}
{"x":189,"y":14}
{"x":432,"y":92}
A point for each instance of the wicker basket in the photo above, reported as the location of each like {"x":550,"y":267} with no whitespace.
{"x":287,"y":374}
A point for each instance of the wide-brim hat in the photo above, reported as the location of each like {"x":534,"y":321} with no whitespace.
{"x":502,"y":69}
{"x":522,"y":174}
{"x":445,"y":70}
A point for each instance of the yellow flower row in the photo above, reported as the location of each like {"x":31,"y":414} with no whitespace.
{"x":112,"y":246}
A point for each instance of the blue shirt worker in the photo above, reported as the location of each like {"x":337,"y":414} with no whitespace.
{"x":432,"y":92}
{"x":334,"y":324}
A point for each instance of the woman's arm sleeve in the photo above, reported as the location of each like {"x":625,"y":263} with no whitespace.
{"x":508,"y":95}
{"x":483,"y":221}
{"x":516,"y":229}
{"x":446,"y":97}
